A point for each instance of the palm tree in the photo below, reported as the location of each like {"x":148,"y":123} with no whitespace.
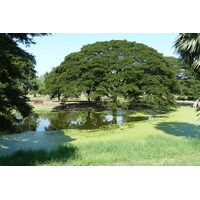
{"x":188,"y":47}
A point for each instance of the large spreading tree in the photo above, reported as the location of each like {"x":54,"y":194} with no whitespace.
{"x":118,"y":69}
{"x":16,"y":70}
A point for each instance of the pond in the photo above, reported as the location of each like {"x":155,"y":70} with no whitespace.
{"x":44,"y":130}
{"x":84,"y":120}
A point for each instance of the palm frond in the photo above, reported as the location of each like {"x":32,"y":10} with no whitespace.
{"x":188,"y":47}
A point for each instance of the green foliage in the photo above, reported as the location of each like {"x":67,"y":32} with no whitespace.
{"x":37,"y":85}
{"x":114,"y":105}
{"x":16,"y":72}
{"x":41,"y":84}
{"x":188,"y":84}
{"x":53,"y":86}
{"x":188,"y":47}
{"x":29,"y":81}
{"x":116,"y":69}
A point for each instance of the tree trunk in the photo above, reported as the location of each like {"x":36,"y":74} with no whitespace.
{"x":97,"y":99}
{"x":114,"y":120}
{"x":59,"y":96}
{"x":88,"y":94}
{"x":114,"y":99}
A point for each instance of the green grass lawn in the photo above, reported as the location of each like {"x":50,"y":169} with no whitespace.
{"x":170,"y":140}
{"x":43,"y":108}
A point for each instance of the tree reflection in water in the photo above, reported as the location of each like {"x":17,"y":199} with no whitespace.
{"x":76,"y":120}
{"x":19,"y":125}
{"x":71,"y":120}
{"x":88,"y":120}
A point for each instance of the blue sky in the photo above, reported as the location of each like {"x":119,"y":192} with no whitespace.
{"x":51,"y":50}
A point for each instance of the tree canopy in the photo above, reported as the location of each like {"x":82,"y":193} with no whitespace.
{"x":188,"y":84}
{"x":118,"y":69}
{"x":37,"y":85}
{"x":188,"y":47}
{"x":16,"y":67}
{"x":53,"y":84}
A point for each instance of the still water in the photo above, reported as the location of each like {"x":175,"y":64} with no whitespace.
{"x":74,"y":120}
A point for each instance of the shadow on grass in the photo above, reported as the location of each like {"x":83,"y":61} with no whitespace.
{"x":58,"y":108}
{"x":47,"y":140}
{"x":98,"y":107}
{"x":79,"y":105}
{"x":39,"y":157}
{"x":179,"y":129}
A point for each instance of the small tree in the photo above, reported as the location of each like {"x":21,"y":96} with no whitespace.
{"x":53,"y":84}
{"x":37,"y":86}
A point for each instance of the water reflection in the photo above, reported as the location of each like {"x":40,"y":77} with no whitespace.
{"x":73,"y":120}
{"x":19,"y":125}
{"x":87,"y":120}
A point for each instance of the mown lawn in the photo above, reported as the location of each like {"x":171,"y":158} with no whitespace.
{"x":170,"y":140}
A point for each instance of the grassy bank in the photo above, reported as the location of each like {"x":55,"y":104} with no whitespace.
{"x":172,"y":139}
{"x":156,"y":150}
{"x":43,"y":108}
